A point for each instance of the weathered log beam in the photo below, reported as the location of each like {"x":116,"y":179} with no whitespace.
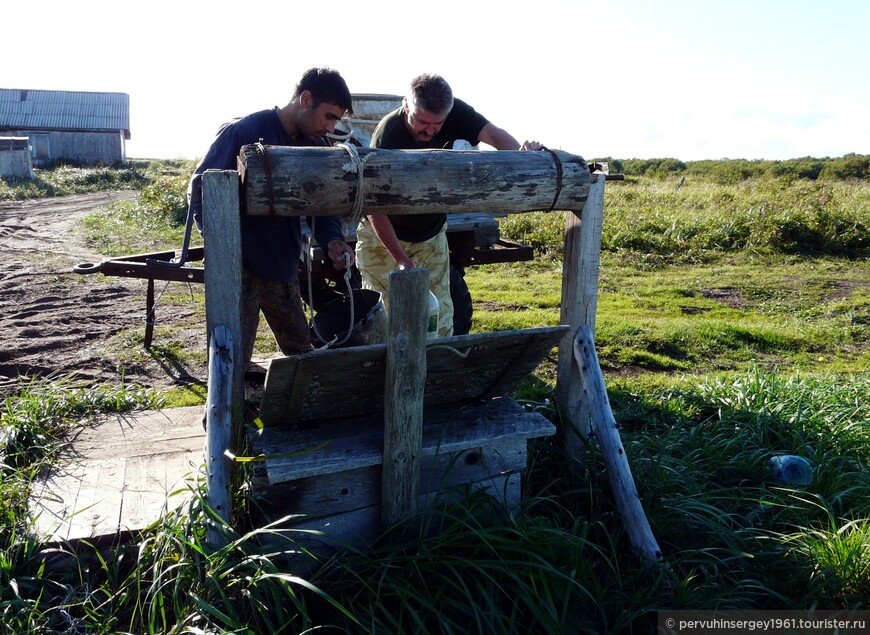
{"x":300,"y":181}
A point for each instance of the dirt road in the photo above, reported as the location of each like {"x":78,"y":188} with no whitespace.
{"x":55,"y":321}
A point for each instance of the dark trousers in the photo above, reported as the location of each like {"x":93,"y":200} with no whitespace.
{"x":281,"y":305}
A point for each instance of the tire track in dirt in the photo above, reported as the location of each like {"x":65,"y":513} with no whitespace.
{"x":53,"y":321}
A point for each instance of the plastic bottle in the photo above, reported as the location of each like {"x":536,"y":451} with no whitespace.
{"x":432,"y":322}
{"x":791,"y":469}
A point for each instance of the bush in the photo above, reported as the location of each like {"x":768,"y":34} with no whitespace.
{"x":166,"y":198}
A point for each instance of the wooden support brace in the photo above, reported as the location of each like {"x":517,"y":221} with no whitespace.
{"x":606,"y":431}
{"x":580,"y":272}
{"x":219,"y":409}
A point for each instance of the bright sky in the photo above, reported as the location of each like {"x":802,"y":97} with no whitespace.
{"x":690,"y":79}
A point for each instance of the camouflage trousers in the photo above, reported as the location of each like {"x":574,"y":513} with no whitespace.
{"x":281,"y":305}
{"x":375,"y":264}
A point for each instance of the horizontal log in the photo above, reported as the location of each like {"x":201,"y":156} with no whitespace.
{"x":300,"y":181}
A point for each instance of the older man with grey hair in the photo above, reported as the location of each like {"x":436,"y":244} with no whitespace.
{"x":430,"y":117}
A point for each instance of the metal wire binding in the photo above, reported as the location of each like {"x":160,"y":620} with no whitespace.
{"x":558,"y":176}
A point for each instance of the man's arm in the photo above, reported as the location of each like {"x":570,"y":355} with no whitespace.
{"x":498,"y":138}
{"x":221,"y":155}
{"x":385,"y":232}
{"x":327,"y":233}
{"x":501,"y":139}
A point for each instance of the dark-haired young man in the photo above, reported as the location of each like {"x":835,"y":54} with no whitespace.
{"x":271,"y":245}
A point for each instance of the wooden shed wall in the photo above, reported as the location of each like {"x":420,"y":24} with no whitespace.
{"x":15,"y":158}
{"x":86,"y":147}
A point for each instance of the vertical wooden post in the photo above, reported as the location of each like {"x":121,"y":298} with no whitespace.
{"x":403,"y":393}
{"x":223,"y":316}
{"x":580,"y":269}
{"x":219,"y":409}
{"x":150,"y":318}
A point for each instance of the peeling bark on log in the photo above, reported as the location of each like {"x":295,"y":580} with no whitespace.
{"x":299,"y":181}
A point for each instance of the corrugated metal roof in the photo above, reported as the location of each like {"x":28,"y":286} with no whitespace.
{"x":64,"y":110}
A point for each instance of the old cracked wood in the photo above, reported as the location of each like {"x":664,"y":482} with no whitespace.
{"x":297,"y":181}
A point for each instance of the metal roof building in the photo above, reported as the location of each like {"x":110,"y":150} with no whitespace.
{"x":82,"y":127}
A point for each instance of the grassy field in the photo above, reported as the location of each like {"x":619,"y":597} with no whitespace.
{"x":733,"y":326}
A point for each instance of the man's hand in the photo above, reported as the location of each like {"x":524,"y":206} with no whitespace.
{"x":405,"y":262}
{"x":532,"y":145}
{"x":341,"y":254}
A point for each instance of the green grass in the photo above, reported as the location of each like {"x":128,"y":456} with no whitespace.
{"x":732,"y":536}
{"x":732,"y":327}
{"x":155,"y":221}
{"x":64,"y":180}
{"x":729,"y":314}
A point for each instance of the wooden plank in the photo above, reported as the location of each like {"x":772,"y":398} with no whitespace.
{"x":301,"y":381}
{"x":223,"y":311}
{"x":83,"y":505}
{"x":142,"y":433}
{"x":300,"y":181}
{"x":349,"y":382}
{"x":580,"y":272}
{"x":299,"y":453}
{"x":329,"y":494}
{"x":149,"y":482}
{"x":404,"y":381}
{"x":99,"y":490}
{"x":325,"y":535}
{"x":341,"y":385}
{"x":223,"y":276}
{"x":219,"y":426}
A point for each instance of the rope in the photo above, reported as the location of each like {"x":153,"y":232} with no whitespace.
{"x":262,"y":150}
{"x":356,"y":166}
{"x":347,"y":274}
{"x":337,"y":136}
{"x":558,"y":176}
{"x":455,"y":351}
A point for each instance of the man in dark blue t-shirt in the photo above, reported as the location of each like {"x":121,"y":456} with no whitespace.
{"x":271,"y":245}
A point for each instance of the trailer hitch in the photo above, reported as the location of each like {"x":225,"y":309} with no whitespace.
{"x":150,"y":266}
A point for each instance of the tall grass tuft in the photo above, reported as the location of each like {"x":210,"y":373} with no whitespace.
{"x":700,"y":456}
{"x":470,"y":568}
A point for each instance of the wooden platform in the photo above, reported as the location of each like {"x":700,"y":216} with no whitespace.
{"x":322,"y":440}
{"x":119,"y":475}
{"x":329,"y":469}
